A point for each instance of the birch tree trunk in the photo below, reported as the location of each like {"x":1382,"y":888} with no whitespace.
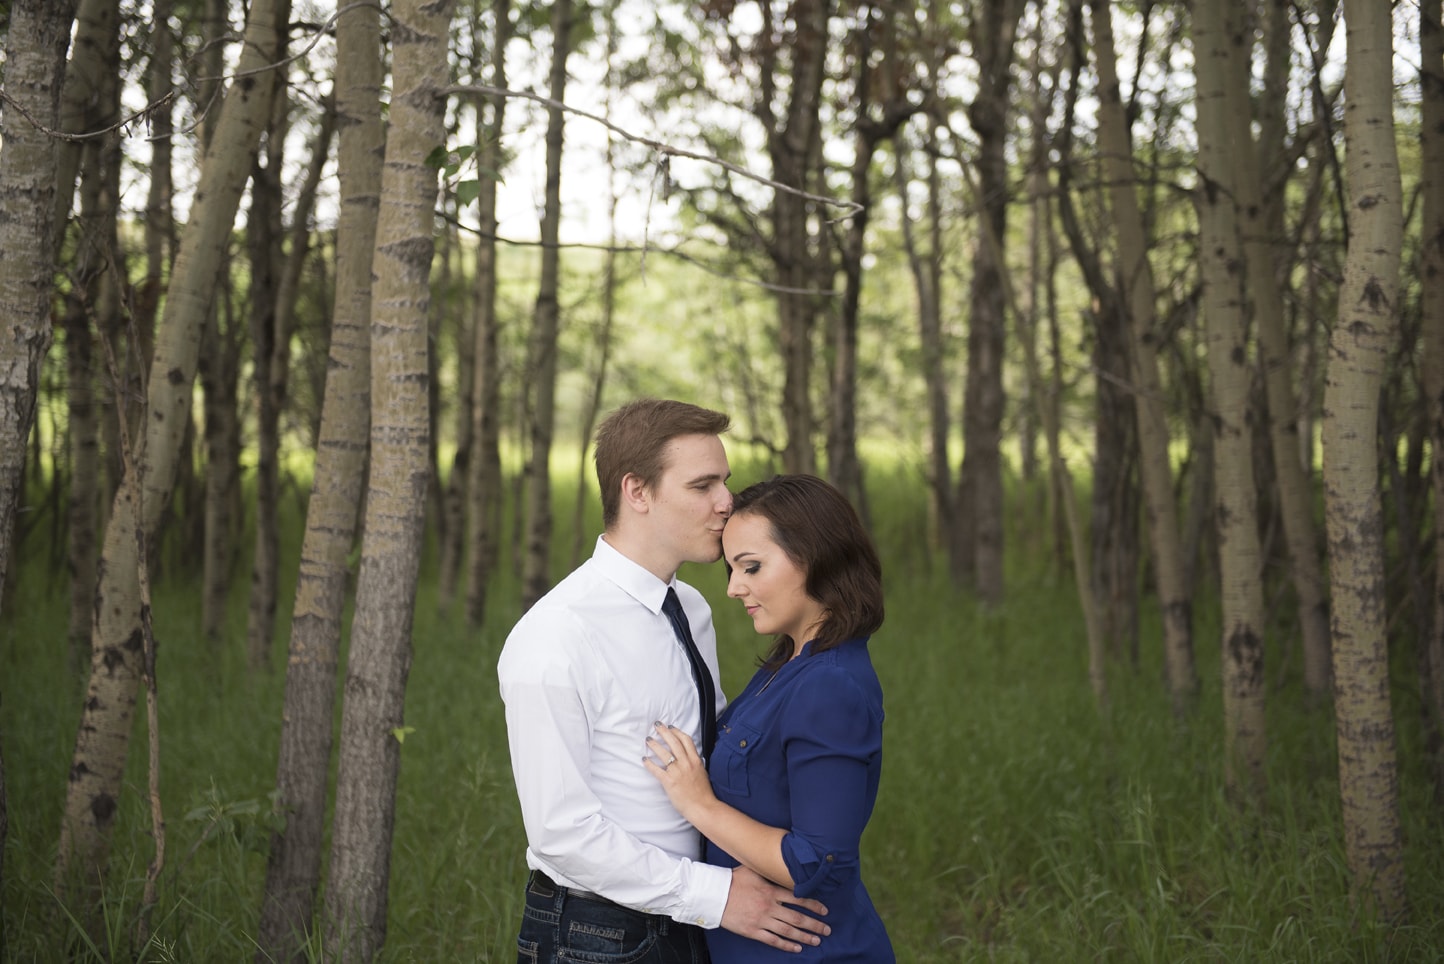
{"x":272,"y":379}
{"x":927,"y":271}
{"x":1359,"y":350}
{"x":451,"y":540}
{"x":89,"y":99}
{"x":1431,"y":82}
{"x":380,"y":654}
{"x":264,"y":230}
{"x":483,"y":518}
{"x":609,"y":302}
{"x":791,"y":144}
{"x":978,"y":547}
{"x":880,"y":114}
{"x":90,"y":102}
{"x":1261,"y":222}
{"x":39,"y":33}
{"x":1221,"y":47}
{"x":1135,"y":281}
{"x":219,"y":367}
{"x":159,"y":224}
{"x":1112,"y":591}
{"x":92,"y":303}
{"x":293,"y":871}
{"x":546,"y":326}
{"x":103,"y":737}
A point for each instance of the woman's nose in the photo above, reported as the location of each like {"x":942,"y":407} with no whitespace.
{"x":733,"y":589}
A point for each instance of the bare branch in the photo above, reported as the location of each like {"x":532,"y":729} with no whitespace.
{"x":667,"y":150}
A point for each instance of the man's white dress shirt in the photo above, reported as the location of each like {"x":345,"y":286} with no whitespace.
{"x":585,"y":675}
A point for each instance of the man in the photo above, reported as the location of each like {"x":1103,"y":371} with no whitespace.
{"x":587,"y":673}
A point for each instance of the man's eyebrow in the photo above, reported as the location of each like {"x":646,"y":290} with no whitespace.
{"x":711,"y":477}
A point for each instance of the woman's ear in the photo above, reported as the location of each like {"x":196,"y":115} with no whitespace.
{"x":634,"y":494}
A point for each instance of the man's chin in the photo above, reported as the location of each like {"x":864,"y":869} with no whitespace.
{"x":707,"y":556}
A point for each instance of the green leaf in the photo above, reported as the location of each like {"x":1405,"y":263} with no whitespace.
{"x":467,"y":191}
{"x":438,"y":157}
{"x":401,"y":732}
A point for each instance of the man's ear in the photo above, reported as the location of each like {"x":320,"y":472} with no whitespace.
{"x":635,"y":495}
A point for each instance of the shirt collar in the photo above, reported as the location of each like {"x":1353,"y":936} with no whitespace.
{"x":633,"y":579}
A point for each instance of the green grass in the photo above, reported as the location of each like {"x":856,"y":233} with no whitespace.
{"x":1015,"y":821}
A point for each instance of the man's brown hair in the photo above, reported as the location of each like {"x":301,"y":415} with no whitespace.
{"x":632,"y":440}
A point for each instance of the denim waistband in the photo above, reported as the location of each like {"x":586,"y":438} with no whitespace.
{"x":543,"y":885}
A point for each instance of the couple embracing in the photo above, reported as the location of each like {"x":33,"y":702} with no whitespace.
{"x":665,"y":824}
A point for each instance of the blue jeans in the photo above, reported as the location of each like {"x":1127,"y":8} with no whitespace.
{"x":560,"y":925}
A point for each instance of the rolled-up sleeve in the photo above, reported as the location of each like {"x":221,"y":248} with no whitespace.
{"x":832,"y":735}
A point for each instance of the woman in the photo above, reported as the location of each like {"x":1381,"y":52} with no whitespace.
{"x":795,"y":773}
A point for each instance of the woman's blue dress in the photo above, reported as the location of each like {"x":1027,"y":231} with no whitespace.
{"x":802,"y":750}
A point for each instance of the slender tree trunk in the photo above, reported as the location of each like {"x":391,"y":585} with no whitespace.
{"x":1260,"y":230}
{"x":452,"y":537}
{"x":264,"y":230}
{"x":91,"y":102}
{"x":609,"y":307}
{"x":485,"y":488}
{"x":1113,"y":590}
{"x":981,"y":475}
{"x":92,"y":304}
{"x":442,"y":286}
{"x":1217,"y":39}
{"x":1115,"y":496}
{"x":380,"y":654}
{"x":293,"y":872}
{"x":927,"y":275}
{"x":159,"y":224}
{"x":1135,"y":281}
{"x":89,"y":99}
{"x":103,"y":738}
{"x":1431,"y":82}
{"x":84,"y":475}
{"x":873,"y":127}
{"x":34,"y":69}
{"x":219,"y":369}
{"x":791,"y":146}
{"x":1060,"y":481}
{"x":39,"y":33}
{"x":1359,"y":351}
{"x":844,"y":469}
{"x":546,"y":329}
{"x":271,"y":331}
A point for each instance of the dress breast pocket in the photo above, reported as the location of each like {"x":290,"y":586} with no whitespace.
{"x":730,"y":757}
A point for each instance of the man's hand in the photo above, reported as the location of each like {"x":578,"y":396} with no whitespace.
{"x":755,"y":909}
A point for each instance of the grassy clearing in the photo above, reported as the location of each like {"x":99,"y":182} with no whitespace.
{"x":1015,"y":823}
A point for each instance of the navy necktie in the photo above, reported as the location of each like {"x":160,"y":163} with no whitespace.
{"x":672,"y":606}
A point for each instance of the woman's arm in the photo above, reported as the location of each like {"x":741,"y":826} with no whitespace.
{"x":756,"y":846}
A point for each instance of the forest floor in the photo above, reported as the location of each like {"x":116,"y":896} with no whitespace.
{"x":1016,"y":822}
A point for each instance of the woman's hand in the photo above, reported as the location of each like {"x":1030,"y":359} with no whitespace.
{"x":680,"y":770}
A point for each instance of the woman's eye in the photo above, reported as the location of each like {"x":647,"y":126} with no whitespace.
{"x":752,"y":569}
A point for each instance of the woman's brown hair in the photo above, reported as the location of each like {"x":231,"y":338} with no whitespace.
{"x":818,"y":529}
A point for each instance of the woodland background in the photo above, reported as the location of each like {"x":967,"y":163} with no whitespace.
{"x":1122,"y":323}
